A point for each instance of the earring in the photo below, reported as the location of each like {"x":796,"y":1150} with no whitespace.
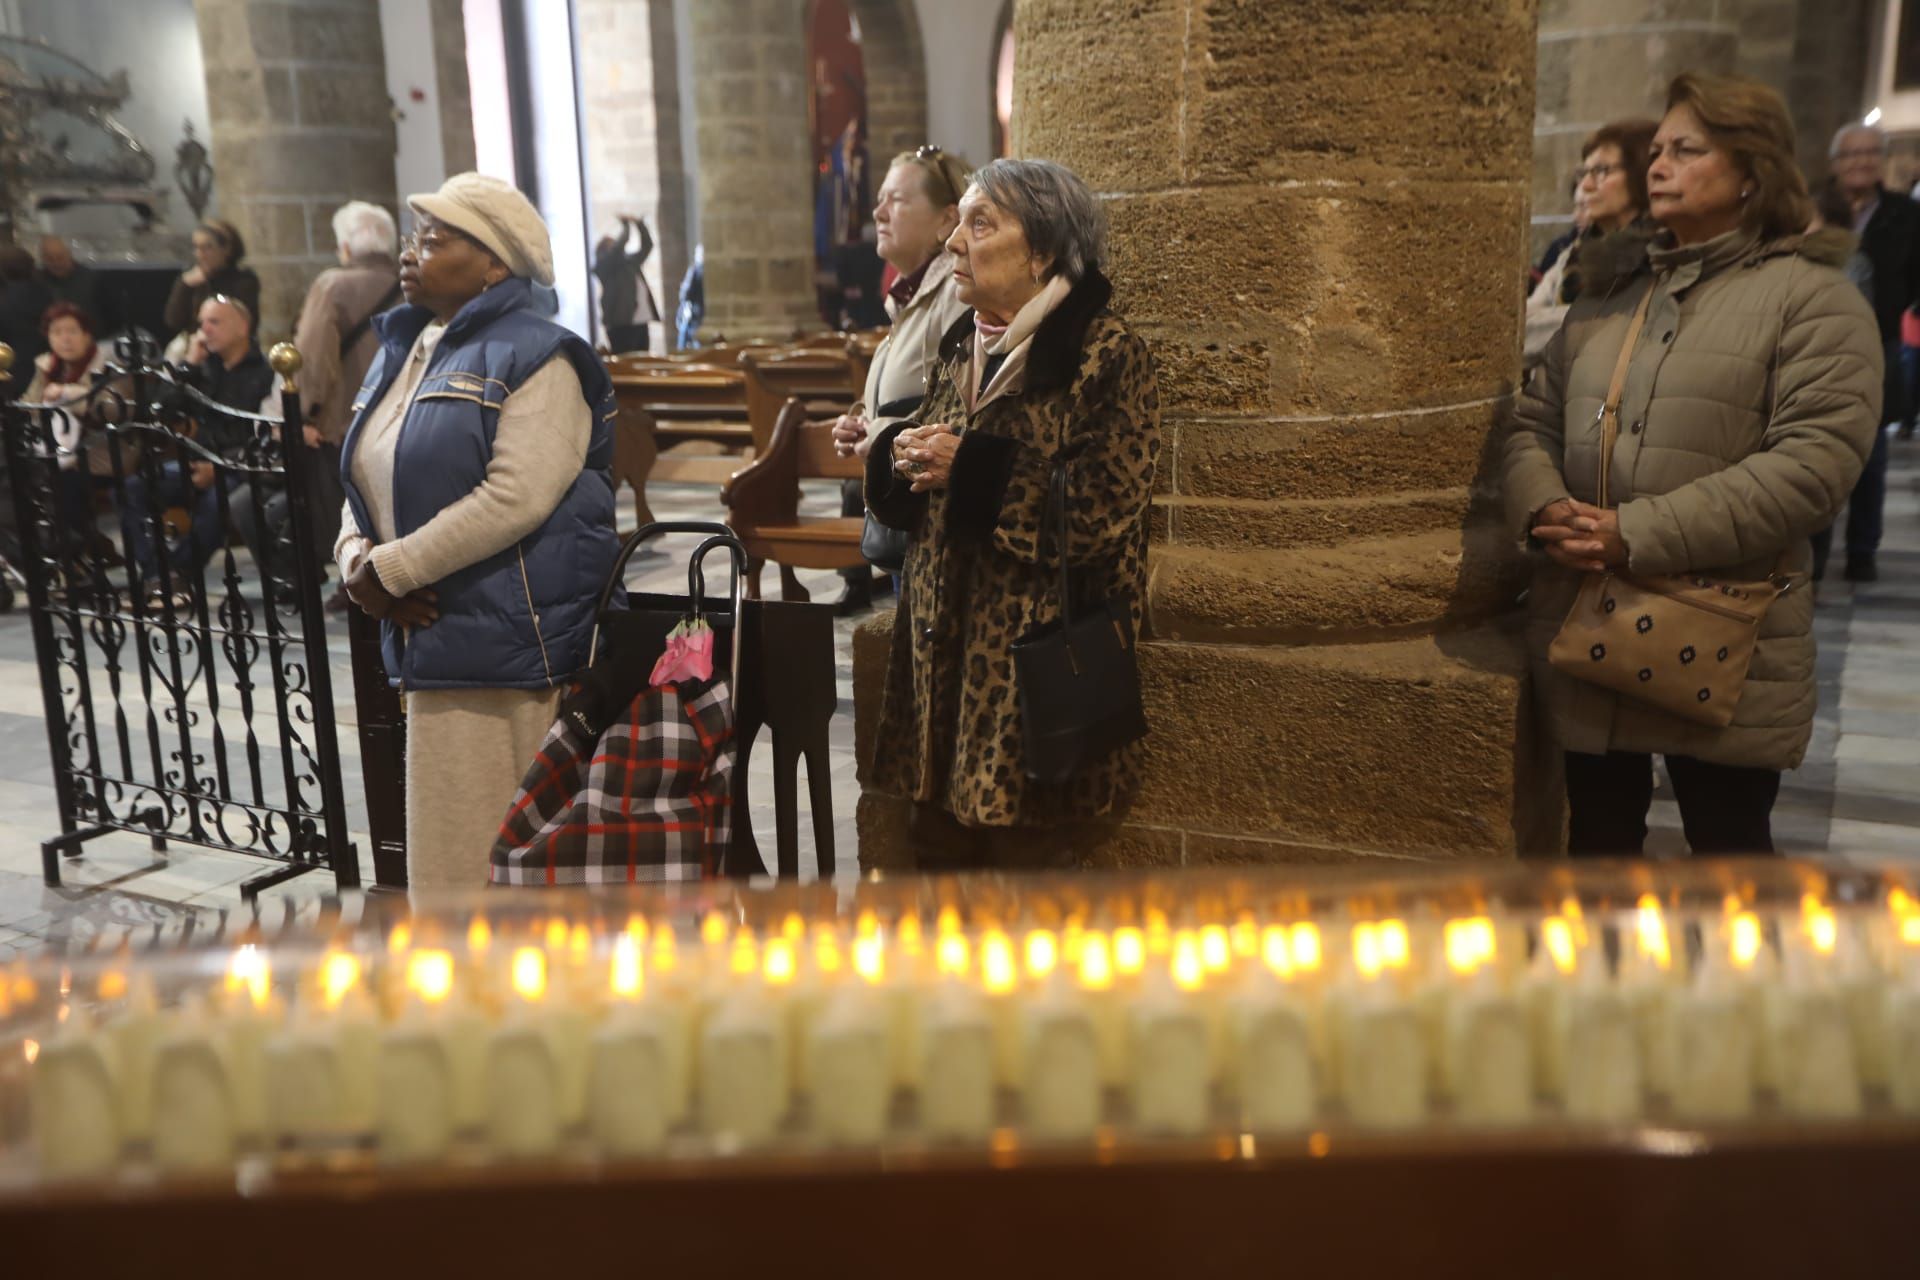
{"x":1746,"y":192}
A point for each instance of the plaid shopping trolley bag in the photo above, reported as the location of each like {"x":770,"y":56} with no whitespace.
{"x":634,"y":780}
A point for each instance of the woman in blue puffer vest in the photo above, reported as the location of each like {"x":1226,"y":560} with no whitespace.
{"x":479,"y":515}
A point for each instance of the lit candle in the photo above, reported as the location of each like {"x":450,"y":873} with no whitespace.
{"x":1808,"y":1025}
{"x":75,"y":1102}
{"x":321,"y":1070}
{"x":420,"y":1090}
{"x":1489,"y":1063}
{"x":523,"y":1079}
{"x":1061,"y":1083}
{"x":743,"y":1060}
{"x":134,"y":1028}
{"x":631,"y":1081}
{"x":1000,"y":980}
{"x":1382,"y":1052}
{"x":1714,"y":1032}
{"x":957,"y":1054}
{"x":1589,"y":1030}
{"x":1273,"y":1069}
{"x":1094,"y":971}
{"x":1172,"y":1061}
{"x":195,"y":1129}
{"x":1649,"y":978}
{"x":852,"y":1069}
{"x":250,"y":1014}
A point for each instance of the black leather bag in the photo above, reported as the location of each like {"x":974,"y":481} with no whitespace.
{"x":1079,"y":678}
{"x":884,"y":547}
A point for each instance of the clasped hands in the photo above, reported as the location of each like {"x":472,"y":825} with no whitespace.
{"x":1580,"y":536}
{"x":925,"y":455}
{"x":415,"y":609}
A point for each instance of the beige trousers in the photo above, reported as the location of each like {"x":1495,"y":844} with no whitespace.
{"x":467,"y":750}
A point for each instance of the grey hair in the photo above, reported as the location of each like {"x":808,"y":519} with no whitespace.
{"x":1063,"y":221}
{"x":365,"y":228}
{"x":1846,"y":131}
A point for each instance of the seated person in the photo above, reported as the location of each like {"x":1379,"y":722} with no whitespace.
{"x":228,"y":369}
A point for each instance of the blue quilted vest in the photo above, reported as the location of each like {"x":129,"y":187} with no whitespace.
{"x":521,"y":619}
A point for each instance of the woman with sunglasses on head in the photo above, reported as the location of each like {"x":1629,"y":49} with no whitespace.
{"x":917,"y":208}
{"x":217,"y":252}
{"x":479,"y":518}
{"x":1747,"y":371}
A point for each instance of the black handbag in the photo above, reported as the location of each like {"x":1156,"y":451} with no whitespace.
{"x":884,"y":547}
{"x":1079,"y":678}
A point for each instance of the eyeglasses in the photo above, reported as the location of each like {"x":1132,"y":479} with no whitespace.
{"x":424,"y":244}
{"x":1598,"y":172}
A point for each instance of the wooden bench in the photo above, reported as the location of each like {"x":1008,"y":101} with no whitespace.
{"x":660,"y":408}
{"x":823,"y":379}
{"x":763,"y":504}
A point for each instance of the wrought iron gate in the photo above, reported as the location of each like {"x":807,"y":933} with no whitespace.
{"x":185,"y":679}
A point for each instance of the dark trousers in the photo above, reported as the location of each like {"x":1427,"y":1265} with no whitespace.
{"x":626,"y":337}
{"x":185,"y":554}
{"x":1864,"y":512}
{"x":1910,"y":375}
{"x":1725,"y":809}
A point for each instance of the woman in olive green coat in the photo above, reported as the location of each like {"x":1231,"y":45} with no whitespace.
{"x":1749,"y":407}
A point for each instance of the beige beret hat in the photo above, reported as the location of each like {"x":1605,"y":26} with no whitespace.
{"x":497,"y":215}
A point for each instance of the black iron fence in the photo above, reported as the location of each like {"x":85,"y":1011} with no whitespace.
{"x":168,"y":551}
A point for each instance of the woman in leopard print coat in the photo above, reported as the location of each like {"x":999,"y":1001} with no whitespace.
{"x":1039,"y":368}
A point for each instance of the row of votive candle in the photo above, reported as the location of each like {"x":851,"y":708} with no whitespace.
{"x":618,"y":1041}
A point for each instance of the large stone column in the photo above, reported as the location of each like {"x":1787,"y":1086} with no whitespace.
{"x":297,"y":96}
{"x":755,"y":169}
{"x":630,"y":93}
{"x":1324,"y":254}
{"x":455,"y":92}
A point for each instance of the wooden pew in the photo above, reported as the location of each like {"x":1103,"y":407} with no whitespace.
{"x":662,"y":407}
{"x":763,"y":504}
{"x":821,"y":378}
{"x":860,"y":349}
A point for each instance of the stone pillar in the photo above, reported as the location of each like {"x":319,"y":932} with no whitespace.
{"x":1829,"y":80}
{"x":297,"y":96}
{"x":455,"y":94}
{"x":1605,"y":60}
{"x":755,"y":169}
{"x":631,"y":106}
{"x":1323,"y":256}
{"x":896,"y":71}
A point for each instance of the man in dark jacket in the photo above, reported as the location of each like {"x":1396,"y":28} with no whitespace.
{"x":626,"y":302}
{"x":68,"y":281}
{"x":1888,"y":225}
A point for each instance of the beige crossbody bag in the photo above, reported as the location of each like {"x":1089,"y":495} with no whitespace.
{"x":1681,"y":642}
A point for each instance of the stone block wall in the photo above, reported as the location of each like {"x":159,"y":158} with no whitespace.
{"x":297,"y":96}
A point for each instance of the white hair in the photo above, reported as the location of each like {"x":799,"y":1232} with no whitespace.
{"x":1846,"y":131}
{"x":363,"y":228}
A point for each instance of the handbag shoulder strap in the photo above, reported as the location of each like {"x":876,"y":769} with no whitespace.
{"x":1610,"y":408}
{"x":1057,"y":501}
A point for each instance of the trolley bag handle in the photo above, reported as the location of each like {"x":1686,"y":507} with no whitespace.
{"x":697,"y":591}
{"x":640,"y":535}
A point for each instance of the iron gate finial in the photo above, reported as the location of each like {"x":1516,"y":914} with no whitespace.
{"x":6,"y":362}
{"x":285,"y":359}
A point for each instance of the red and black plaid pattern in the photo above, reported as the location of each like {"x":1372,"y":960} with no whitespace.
{"x":645,"y":801}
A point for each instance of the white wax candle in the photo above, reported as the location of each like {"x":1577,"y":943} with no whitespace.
{"x":1061,"y":1081}
{"x":75,"y":1103}
{"x":957,"y":1066}
{"x":852,"y":1069}
{"x":1274,"y":1073}
{"x":414,"y":1118}
{"x":1713,"y":1067}
{"x":523,"y":1091}
{"x":743,"y":1069}
{"x":1172,"y":1062}
{"x":1381,"y":1047}
{"x":1902,"y":1019}
{"x":1489,"y":1054}
{"x":1813,"y":1050}
{"x":630,"y":1086}
{"x":195,"y":1125}
{"x":1000,"y":979}
{"x":250,"y":1014}
{"x":1596,"y":1036}
{"x":135,"y":1030}
{"x":322,"y":1068}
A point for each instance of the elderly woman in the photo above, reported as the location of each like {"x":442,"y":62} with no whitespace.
{"x":216,"y":271}
{"x":1749,"y":405}
{"x":479,"y":516}
{"x":63,"y":375}
{"x":917,"y":209}
{"x":1610,"y":202}
{"x":1037,"y":370}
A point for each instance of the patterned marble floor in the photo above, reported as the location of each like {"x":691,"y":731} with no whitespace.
{"x":1858,"y":794}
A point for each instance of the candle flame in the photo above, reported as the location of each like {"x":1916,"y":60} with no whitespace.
{"x":867,"y":923}
{"x":949,"y":921}
{"x":479,"y":934}
{"x":1275,"y":952}
{"x":637,"y":929}
{"x":580,"y":943}
{"x":997,"y":969}
{"x":31,"y":1048}
{"x":1910,"y":931}
{"x":628,"y":979}
{"x":746,"y":954}
{"x":1096,"y":961}
{"x":951,"y":955}
{"x":1745,"y":944}
{"x":1043,"y":953}
{"x":1395,"y":950}
{"x":1366,"y":950}
{"x":248,"y":972}
{"x":1650,"y":927}
{"x":910,"y":935}
{"x":1216,"y":948}
{"x":713,"y":929}
{"x":430,"y":975}
{"x":529,"y":973}
{"x":1129,"y":951}
{"x":113,"y":984}
{"x":1901,"y":903}
{"x":1159,"y":937}
{"x":1189,"y":967}
{"x":556,"y":934}
{"x":780,"y":964}
{"x":1823,"y":931}
{"x":793,"y":928}
{"x":826,"y":953}
{"x":1556,"y":935}
{"x":400,"y":939}
{"x":1246,"y":937}
{"x":339,"y":974}
{"x":1304,"y":938}
{"x":1468,"y":943}
{"x":666,"y":948}
{"x":870,"y":958}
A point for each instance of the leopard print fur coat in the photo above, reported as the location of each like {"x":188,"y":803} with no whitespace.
{"x":976,"y":580}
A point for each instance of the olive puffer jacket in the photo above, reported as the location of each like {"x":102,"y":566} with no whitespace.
{"x":1750,"y":405}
